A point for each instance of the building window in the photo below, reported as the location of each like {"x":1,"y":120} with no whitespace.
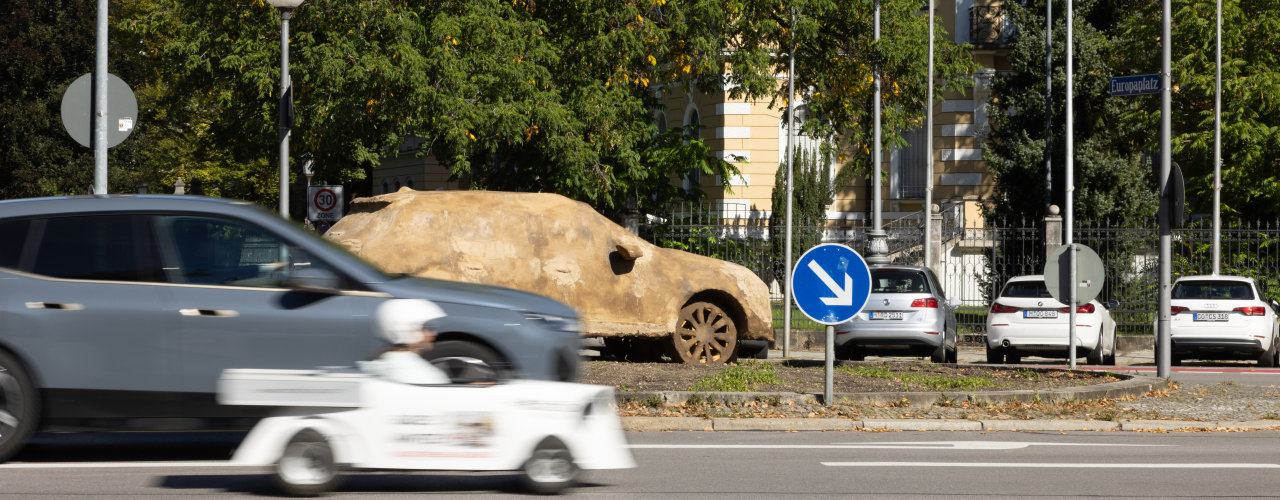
{"x":397,"y":185}
{"x":693,"y":177}
{"x":384,"y":187}
{"x":409,"y":182}
{"x":662,"y":122}
{"x":908,"y":166}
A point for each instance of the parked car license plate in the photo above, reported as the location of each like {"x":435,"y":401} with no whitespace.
{"x":1039,"y":314}
{"x":886,"y":315}
{"x":1210,"y":317}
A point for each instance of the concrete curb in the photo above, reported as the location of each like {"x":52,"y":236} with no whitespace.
{"x":1136,"y":385}
{"x":924,"y":425}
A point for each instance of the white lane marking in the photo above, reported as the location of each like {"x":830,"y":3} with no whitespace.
{"x":1052,"y":465}
{"x":919,"y":445}
{"x":116,"y":465}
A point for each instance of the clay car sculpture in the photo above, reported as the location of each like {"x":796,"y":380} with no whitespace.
{"x":642,"y":299}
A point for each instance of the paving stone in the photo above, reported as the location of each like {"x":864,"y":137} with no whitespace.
{"x":785,"y":424}
{"x":922,"y":425}
{"x":665,"y":424}
{"x":1050,"y":425}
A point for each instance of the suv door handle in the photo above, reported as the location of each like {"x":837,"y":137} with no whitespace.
{"x":209,"y":313}
{"x":62,"y":306}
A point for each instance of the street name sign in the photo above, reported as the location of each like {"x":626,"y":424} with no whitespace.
{"x":831,"y":283}
{"x":77,"y":110}
{"x":324,"y":203}
{"x":1090,"y":274}
{"x":1122,"y":86}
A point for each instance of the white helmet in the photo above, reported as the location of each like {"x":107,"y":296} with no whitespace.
{"x":401,"y":321}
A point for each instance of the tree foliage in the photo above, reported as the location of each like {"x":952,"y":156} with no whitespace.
{"x":1110,"y":181}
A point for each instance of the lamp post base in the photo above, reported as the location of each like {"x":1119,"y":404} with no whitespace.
{"x":877,"y":247}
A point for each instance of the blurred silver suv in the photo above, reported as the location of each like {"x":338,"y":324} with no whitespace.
{"x":908,"y":314}
{"x":120,"y":312}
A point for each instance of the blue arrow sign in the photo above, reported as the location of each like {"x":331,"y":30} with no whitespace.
{"x":1122,"y":86}
{"x":831,"y":283}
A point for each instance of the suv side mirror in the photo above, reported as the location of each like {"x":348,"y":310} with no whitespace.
{"x":1275,"y":305}
{"x":1113,"y":304}
{"x":312,"y":279}
{"x":953,"y":302}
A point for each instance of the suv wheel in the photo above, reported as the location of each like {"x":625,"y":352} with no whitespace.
{"x":19,"y":406}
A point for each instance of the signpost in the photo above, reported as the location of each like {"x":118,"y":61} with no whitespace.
{"x":324,"y":203}
{"x":77,"y":110}
{"x":1124,"y":86}
{"x":1082,"y":268}
{"x":831,"y":284}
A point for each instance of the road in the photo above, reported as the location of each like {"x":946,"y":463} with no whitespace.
{"x":733,"y":465}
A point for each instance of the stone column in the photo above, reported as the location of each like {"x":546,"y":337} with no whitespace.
{"x":1052,"y":231}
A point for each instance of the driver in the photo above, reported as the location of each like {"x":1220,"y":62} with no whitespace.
{"x":403,"y":323}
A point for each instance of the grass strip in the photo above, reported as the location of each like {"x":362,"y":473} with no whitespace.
{"x":930,"y":381}
{"x":740,"y":378}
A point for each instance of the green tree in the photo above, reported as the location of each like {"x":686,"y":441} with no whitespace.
{"x":1110,"y":181}
{"x":813,"y":193}
{"x":1250,"y":98}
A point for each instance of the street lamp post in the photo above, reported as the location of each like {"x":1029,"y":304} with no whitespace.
{"x":877,"y":246}
{"x":286,"y":8}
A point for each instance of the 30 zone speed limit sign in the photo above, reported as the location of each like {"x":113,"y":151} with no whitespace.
{"x":324,"y":203}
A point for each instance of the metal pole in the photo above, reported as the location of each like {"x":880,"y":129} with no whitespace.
{"x":100,"y":104}
{"x":878,"y":248}
{"x":1217,"y":148}
{"x":284,"y":127}
{"x":1163,"y":347}
{"x":1048,"y":105}
{"x":928,"y":147}
{"x":1071,"y":187}
{"x":791,"y":121}
{"x":830,"y":366}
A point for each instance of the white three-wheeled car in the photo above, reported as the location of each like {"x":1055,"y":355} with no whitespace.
{"x":328,"y":422}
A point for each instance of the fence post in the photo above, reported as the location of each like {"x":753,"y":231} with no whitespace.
{"x":631,"y":216}
{"x":935,"y":240}
{"x":1052,"y":232}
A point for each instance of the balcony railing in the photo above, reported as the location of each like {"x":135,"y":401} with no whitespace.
{"x":988,"y":27}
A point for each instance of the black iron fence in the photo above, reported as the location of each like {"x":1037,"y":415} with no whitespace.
{"x":976,"y":258}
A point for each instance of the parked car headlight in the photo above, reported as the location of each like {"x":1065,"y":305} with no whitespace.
{"x":557,"y":323}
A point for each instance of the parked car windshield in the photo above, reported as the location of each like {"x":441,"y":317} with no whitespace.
{"x":898,"y":281}
{"x":1227,"y":290}
{"x":1026,"y":290}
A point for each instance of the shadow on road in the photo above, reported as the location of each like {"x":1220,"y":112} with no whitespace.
{"x":408,"y":482}
{"x":129,"y":446}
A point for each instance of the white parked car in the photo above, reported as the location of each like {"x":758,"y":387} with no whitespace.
{"x":328,"y":422}
{"x":1222,"y":317}
{"x":907,"y":314}
{"x":1026,"y":320}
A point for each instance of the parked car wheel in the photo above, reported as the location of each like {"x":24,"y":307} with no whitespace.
{"x":550,"y":469}
{"x":1268,"y":357}
{"x":940,"y":354}
{"x":307,"y":467}
{"x":995,"y":355}
{"x":704,"y":334}
{"x":466,"y":361}
{"x":1110,"y":359}
{"x":953,"y":355}
{"x":1096,"y":355}
{"x":19,"y":406}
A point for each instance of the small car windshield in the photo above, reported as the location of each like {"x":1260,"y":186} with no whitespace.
{"x":898,"y":281}
{"x":1027,"y":289}
{"x":1224,"y":290}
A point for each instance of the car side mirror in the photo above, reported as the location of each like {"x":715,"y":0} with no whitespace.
{"x":312,"y":279}
{"x":953,"y":302}
{"x":1113,"y":304}
{"x":1275,"y":305}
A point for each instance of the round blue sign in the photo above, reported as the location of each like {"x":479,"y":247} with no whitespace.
{"x":831,"y":283}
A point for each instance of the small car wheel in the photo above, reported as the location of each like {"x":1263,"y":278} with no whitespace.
{"x":704,"y":334}
{"x":19,"y":406}
{"x":307,"y":467}
{"x":550,"y":470}
{"x":953,"y":355}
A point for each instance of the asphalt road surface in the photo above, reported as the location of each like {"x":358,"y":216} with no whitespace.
{"x":729,"y":465}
